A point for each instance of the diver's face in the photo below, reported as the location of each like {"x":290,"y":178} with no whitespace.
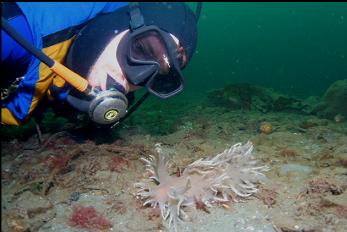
{"x":107,"y":71}
{"x":107,"y":68}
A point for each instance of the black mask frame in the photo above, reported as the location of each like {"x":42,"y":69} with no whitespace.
{"x":136,"y":21}
{"x":146,"y":72}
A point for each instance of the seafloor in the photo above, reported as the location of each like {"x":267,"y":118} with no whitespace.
{"x":43,"y":184}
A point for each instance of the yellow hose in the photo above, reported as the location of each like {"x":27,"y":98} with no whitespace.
{"x":69,"y":76}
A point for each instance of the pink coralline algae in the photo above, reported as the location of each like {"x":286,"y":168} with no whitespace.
{"x":229,"y":176}
{"x":88,"y":218}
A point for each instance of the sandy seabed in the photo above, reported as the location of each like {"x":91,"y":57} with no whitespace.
{"x":305,"y":190}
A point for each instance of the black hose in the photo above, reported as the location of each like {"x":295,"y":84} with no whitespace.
{"x":26,"y":43}
{"x":132,"y":109}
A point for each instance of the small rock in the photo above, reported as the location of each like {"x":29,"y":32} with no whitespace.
{"x":33,"y":204}
{"x":75,"y":196}
{"x":296,"y":168}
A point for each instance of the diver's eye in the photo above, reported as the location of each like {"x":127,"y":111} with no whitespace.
{"x":142,"y":50}
{"x":139,"y":46}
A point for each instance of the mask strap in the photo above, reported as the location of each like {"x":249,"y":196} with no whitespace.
{"x":136,"y":18}
{"x":198,"y":11}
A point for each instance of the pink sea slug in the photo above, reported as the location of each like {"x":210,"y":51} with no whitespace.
{"x":228,"y":176}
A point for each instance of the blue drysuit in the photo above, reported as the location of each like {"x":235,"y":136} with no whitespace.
{"x":41,"y":23}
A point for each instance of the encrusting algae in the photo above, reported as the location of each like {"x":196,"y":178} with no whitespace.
{"x":228,"y":176}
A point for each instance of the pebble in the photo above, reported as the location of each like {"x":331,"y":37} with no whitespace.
{"x":296,"y":168}
{"x":75,"y":196}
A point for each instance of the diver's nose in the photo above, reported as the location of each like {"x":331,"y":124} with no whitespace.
{"x":164,"y":65}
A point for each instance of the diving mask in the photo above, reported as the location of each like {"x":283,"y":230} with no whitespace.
{"x":151,"y":59}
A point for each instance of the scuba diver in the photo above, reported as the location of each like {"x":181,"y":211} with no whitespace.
{"x":92,"y":56}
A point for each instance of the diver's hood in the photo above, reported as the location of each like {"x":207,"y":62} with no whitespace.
{"x":174,"y":17}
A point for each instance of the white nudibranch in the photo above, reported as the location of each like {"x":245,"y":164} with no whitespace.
{"x":229,"y":176}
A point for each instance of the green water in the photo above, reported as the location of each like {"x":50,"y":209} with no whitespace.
{"x":294,"y":48}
